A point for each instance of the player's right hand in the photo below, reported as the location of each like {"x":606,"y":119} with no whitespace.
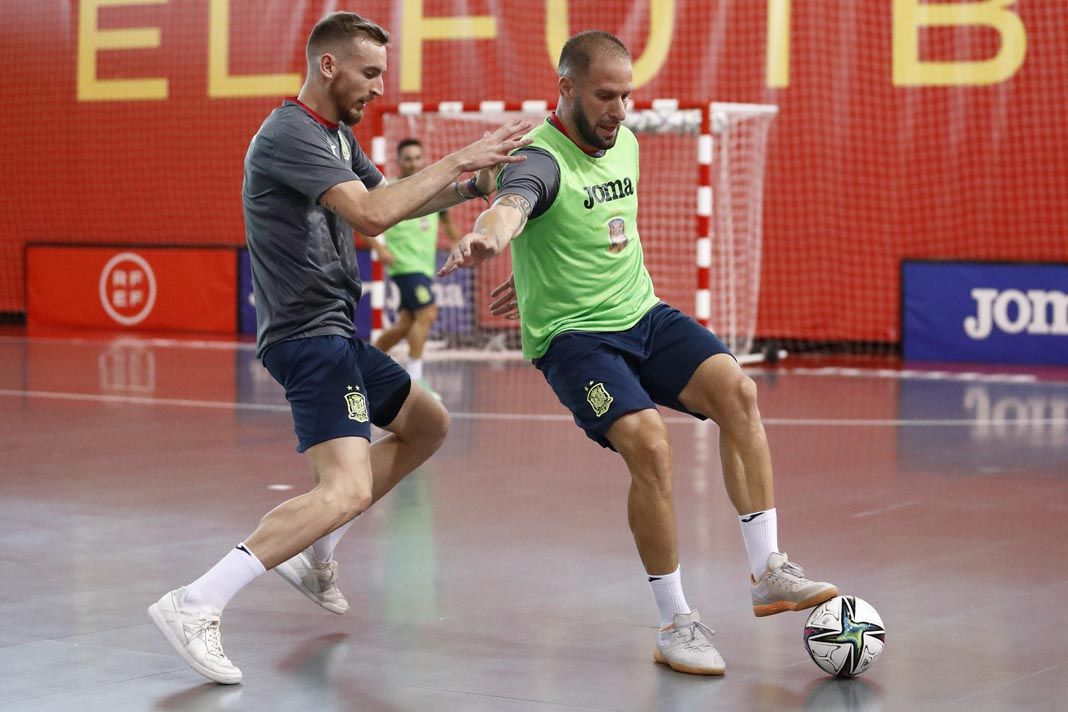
{"x":505,"y":304}
{"x":473,"y":248}
{"x":495,"y":146}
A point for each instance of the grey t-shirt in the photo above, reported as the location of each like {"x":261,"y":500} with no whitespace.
{"x":304,"y":276}
{"x":537,"y":179}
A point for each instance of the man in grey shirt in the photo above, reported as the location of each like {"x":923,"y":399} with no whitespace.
{"x":307,"y":184}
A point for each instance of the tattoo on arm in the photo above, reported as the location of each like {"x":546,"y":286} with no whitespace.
{"x":519,"y":203}
{"x":329,"y":204}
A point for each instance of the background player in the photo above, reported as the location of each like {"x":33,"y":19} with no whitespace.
{"x":612,"y":351}
{"x":409,"y":253}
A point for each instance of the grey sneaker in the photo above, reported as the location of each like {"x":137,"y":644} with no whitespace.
{"x":783,"y":587}
{"x":194,"y":635}
{"x":316,"y":581}
{"x":686,"y":646}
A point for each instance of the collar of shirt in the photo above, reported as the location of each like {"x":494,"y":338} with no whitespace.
{"x":559,"y":125}
{"x":311,"y":112}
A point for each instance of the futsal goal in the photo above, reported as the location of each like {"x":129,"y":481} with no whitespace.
{"x":700,"y":214}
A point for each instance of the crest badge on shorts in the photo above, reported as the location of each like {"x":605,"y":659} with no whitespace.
{"x":598,"y":397}
{"x":357,"y":406}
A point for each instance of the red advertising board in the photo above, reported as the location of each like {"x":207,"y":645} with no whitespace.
{"x":132,"y":288}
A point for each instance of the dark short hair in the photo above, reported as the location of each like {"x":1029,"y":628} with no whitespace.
{"x":338,"y":28}
{"x":580,"y":50}
{"x":408,"y":142}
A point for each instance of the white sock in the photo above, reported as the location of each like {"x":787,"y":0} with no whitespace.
{"x":415,"y":368}
{"x":761,"y":533}
{"x":670,"y":601}
{"x":322,"y":550}
{"x":214,"y":589}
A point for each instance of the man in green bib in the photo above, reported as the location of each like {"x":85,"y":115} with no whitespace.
{"x":410,"y":257}
{"x":612,"y":351}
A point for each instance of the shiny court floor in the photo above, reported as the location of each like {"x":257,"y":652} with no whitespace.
{"x":501,"y":575}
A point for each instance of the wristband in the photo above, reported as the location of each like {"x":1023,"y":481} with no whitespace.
{"x":459,"y":188}
{"x":470,"y":189}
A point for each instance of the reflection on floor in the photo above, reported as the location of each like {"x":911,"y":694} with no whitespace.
{"x":502,"y":575}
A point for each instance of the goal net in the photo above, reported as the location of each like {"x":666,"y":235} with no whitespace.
{"x":699,"y":217}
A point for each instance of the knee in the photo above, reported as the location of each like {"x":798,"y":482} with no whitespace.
{"x":431,"y":427}
{"x":739,"y":402}
{"x":438,"y":428}
{"x":651,"y":463}
{"x":747,"y":393}
{"x":344,"y":503}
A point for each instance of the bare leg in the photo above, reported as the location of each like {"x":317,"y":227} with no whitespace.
{"x":642,"y":439}
{"x":720,"y":391}
{"x":391,"y":336}
{"x":342,"y":469}
{"x":351,"y":476}
{"x":415,"y":434}
{"x":420,"y":330}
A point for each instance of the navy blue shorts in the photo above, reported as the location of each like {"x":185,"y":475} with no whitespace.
{"x":337,"y":386}
{"x":602,"y":376}
{"x":415,"y":291}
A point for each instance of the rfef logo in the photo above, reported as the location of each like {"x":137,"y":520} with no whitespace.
{"x":127,"y":288}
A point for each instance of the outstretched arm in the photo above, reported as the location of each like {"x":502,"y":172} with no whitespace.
{"x":482,"y":185}
{"x":373,"y":212}
{"x":493,"y":230}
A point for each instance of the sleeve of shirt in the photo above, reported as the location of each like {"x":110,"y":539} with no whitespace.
{"x":363,"y":167}
{"x":536,"y":179}
{"x":298,"y":156}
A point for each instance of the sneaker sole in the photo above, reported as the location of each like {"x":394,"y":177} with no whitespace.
{"x":157,"y":618}
{"x":770,"y":609}
{"x":286,"y":572}
{"x":680,"y":667}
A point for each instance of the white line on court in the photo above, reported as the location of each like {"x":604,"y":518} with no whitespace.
{"x":524,"y":417}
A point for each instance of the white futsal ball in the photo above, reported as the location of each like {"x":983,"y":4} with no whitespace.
{"x":844,"y":636}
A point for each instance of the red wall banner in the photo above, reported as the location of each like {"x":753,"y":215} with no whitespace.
{"x":141,"y":288}
{"x":907,"y":128}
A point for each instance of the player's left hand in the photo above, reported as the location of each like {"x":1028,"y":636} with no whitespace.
{"x":505,"y":304}
{"x":486,"y":179}
{"x":472,"y":249}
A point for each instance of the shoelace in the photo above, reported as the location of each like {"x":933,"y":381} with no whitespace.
{"x":794,"y":574}
{"x":692,"y":642}
{"x":208,"y":630}
{"x":326,"y":574}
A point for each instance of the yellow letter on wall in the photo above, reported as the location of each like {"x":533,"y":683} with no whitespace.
{"x":220,"y":82}
{"x":415,"y":29}
{"x":911,"y":15}
{"x":778,"y":43}
{"x":661,"y":29}
{"x":92,"y":39}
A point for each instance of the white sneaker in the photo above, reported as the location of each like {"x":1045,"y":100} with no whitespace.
{"x":686,"y":646}
{"x":316,"y":581}
{"x":195,"y":636}
{"x":783,"y":587}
